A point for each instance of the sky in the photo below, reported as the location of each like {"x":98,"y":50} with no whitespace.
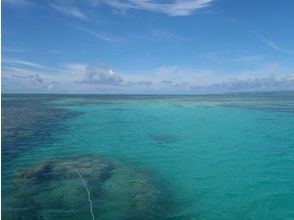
{"x":147,"y":46}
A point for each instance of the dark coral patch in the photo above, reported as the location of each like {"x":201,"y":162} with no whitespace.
{"x":59,"y":189}
{"x":162,"y":138}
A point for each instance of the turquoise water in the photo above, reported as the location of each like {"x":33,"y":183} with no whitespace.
{"x":219,"y":157}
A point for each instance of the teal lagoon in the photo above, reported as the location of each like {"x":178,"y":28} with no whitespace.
{"x":207,"y":157}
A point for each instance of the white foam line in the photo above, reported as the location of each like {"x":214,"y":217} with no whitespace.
{"x":89,"y":195}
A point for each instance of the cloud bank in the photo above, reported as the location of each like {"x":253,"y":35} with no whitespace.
{"x":268,"y":83}
{"x":83,"y":78}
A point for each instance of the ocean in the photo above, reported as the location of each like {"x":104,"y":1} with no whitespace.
{"x":205,"y":157}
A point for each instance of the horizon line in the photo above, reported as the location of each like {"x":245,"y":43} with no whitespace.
{"x":150,"y":94}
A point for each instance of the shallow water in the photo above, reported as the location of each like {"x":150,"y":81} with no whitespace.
{"x":219,"y":157}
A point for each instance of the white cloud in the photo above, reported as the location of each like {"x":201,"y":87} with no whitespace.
{"x":273,"y":45}
{"x":267,"y":83}
{"x":142,"y":83}
{"x":18,"y":76}
{"x":36,"y":78}
{"x":52,"y":85}
{"x":175,"y":79}
{"x":15,"y":61}
{"x":75,"y":67}
{"x":20,"y":3}
{"x":228,"y":56}
{"x":99,"y":36}
{"x":166,"y":81}
{"x":69,"y":10}
{"x":101,"y":76}
{"x":82,"y":78}
{"x":176,"y":8}
{"x":25,"y":79}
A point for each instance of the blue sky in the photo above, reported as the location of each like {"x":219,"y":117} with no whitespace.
{"x":147,"y":46}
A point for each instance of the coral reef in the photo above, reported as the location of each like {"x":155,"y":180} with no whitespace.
{"x":83,"y":187}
